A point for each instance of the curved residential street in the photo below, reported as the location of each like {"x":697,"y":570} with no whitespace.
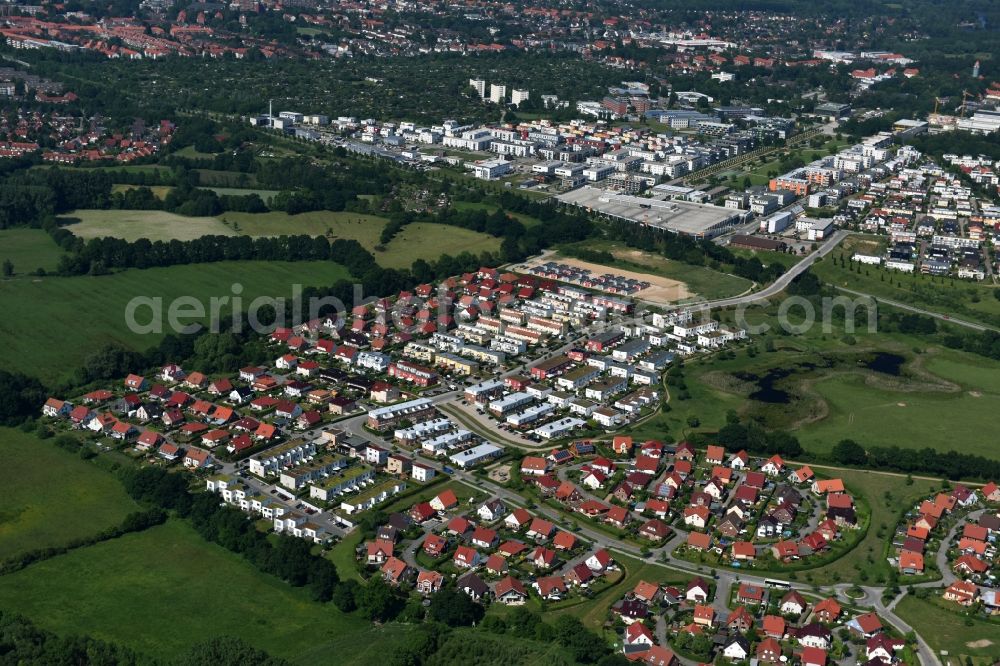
{"x":658,"y":556}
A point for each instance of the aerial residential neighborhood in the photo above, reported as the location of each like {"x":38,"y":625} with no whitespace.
{"x":558,"y":333}
{"x":316,"y":442}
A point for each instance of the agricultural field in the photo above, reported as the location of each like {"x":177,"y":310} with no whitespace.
{"x":966,"y":640}
{"x":51,"y":496}
{"x":63,"y":319}
{"x":29,"y":250}
{"x":131,"y":225}
{"x":105,"y":590}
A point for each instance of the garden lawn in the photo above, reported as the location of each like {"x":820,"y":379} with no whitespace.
{"x":60,"y":320}
{"x":941,"y":625}
{"x":593,"y":612}
{"x":866,"y":563}
{"x":51,"y":496}
{"x":28,"y":250}
{"x":164,"y":589}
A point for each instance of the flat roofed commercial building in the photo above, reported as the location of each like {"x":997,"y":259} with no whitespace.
{"x":681,"y":217}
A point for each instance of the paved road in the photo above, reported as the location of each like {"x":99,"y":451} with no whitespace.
{"x":924,"y":651}
{"x":941,"y":556}
{"x":782,"y":282}
{"x":725,"y":578}
{"x":936,"y":315}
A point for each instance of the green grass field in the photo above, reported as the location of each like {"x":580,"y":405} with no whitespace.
{"x":59,"y":321}
{"x":51,"y":496}
{"x":865,"y":562}
{"x":28,"y":250}
{"x":941,"y":625}
{"x":192,"y":152}
{"x":430,"y":241}
{"x":132,"y":225}
{"x":416,"y":241}
{"x":526,"y":220}
{"x":353,"y":226}
{"x":161,"y":590}
{"x":479,"y":647}
{"x":965,"y":299}
{"x":244,"y":191}
{"x":884,"y":418}
{"x":943,"y":399}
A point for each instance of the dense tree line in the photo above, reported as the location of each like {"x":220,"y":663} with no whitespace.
{"x":21,"y":642}
{"x":287,"y":558}
{"x":950,"y":464}
{"x":754,"y":438}
{"x":100,"y":255}
{"x":985,"y":343}
{"x":20,"y":397}
{"x":137,"y":521}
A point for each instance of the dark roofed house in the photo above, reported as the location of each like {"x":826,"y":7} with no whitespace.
{"x":473,"y":586}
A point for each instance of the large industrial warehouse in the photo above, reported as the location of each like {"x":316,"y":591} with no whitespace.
{"x":681,"y":217}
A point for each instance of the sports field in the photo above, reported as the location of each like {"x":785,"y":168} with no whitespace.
{"x":60,"y":320}
{"x":162,"y":590}
{"x":51,"y":496}
{"x":29,"y":250}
